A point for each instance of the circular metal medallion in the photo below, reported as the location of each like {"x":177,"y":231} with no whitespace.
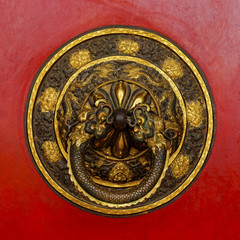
{"x":120,"y":121}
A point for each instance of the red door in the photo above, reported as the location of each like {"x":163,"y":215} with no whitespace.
{"x":31,"y":30}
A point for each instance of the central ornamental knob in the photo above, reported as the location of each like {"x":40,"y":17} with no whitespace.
{"x":120,"y":119}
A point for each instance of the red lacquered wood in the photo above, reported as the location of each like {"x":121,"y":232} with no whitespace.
{"x":208,"y":30}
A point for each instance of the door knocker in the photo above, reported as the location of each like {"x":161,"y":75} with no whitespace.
{"x":120,"y":121}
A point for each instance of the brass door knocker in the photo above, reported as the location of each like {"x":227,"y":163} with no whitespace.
{"x":120,"y":121}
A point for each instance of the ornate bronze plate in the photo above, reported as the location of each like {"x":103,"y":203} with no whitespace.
{"x":120,"y":121}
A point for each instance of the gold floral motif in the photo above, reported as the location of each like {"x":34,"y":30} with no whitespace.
{"x":128,"y":46}
{"x":120,"y":92}
{"x":194,"y":113}
{"x":172,"y":68}
{"x":51,"y":151}
{"x":120,"y":173}
{"x":180,"y":166}
{"x":80,"y":58}
{"x":48,"y":99}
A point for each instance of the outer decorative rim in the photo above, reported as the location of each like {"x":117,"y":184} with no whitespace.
{"x":191,"y":64}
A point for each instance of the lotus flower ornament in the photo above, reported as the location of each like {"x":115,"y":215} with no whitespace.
{"x":122,"y":119}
